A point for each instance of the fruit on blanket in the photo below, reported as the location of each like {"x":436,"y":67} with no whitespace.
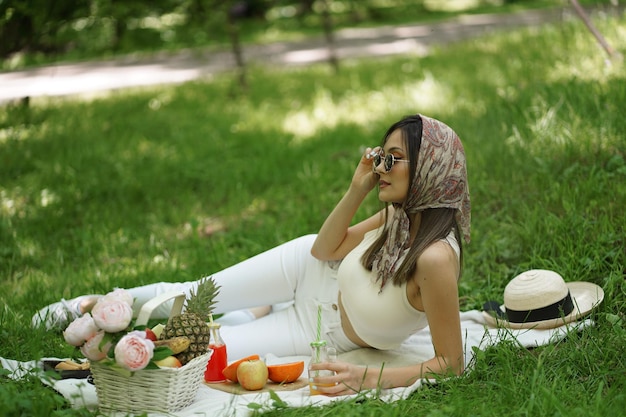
{"x":69,"y":365}
{"x":230,"y":372}
{"x":285,"y":372}
{"x":193,"y":322}
{"x":169,"y":362}
{"x":252,"y":375}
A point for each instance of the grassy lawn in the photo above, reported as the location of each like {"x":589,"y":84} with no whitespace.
{"x":174,"y":183}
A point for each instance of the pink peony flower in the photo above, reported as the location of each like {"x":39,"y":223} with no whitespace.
{"x":120,"y":294}
{"x":93,"y":348}
{"x":80,"y":329}
{"x":134,"y":351}
{"x":112,"y":315}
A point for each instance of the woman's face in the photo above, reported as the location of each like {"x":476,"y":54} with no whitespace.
{"x":394,"y":185}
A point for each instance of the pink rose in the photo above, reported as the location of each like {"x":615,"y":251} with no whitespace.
{"x":93,"y":348}
{"x":134,"y":351}
{"x":120,"y":294}
{"x":80,"y":329}
{"x":112,"y":315}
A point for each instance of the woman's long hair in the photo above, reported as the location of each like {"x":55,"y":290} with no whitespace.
{"x":435,"y":224}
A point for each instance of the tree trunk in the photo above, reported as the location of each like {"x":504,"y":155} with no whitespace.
{"x":329,"y":35}
{"x":233,"y":33}
{"x":605,"y":45}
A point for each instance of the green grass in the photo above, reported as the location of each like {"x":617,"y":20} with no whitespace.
{"x":130,"y":189}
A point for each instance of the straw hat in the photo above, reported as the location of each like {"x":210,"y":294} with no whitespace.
{"x":541,"y":299}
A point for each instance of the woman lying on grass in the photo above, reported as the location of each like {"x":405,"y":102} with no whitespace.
{"x":377,"y":282}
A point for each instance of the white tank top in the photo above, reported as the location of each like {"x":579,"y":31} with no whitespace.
{"x":383,"y":320}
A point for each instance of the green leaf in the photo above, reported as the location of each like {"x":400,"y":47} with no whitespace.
{"x":112,"y":338}
{"x":161,"y":352}
{"x":152,"y":365}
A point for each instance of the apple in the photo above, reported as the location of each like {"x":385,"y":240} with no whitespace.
{"x":150,"y":335}
{"x":252,"y":375}
{"x":169,"y":362}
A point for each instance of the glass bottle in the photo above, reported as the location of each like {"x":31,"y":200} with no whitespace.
{"x":218,"y":360}
{"x":320,"y":352}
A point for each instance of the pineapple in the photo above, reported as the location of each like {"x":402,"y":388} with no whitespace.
{"x":193,"y":321}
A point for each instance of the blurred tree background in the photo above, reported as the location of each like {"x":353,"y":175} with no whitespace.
{"x":40,"y":31}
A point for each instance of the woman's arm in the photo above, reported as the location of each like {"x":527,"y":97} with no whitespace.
{"x":336,"y":237}
{"x":436,"y":275}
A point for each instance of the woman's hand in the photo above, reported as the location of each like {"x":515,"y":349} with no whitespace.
{"x":348,"y":378}
{"x":364,"y":178}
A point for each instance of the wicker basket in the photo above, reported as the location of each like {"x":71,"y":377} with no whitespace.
{"x":160,"y":390}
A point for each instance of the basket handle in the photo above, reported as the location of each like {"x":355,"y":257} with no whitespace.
{"x":146,"y":310}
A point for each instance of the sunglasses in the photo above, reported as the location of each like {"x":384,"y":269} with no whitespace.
{"x":388,"y":160}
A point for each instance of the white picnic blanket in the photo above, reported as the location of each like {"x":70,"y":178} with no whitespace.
{"x":210,"y":402}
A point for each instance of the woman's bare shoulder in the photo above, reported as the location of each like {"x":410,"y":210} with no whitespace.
{"x":438,"y":258}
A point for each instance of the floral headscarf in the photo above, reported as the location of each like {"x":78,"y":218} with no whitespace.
{"x":440,"y":181}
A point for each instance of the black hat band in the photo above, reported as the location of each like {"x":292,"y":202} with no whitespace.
{"x":556,"y":310}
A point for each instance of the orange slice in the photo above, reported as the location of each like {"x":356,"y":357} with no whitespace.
{"x":285,"y":372}
{"x":230,"y":372}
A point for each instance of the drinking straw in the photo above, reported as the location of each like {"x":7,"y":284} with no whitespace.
{"x":319,"y":323}
{"x":319,"y":333}
{"x":212,"y":328}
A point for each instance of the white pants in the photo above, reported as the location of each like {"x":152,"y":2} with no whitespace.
{"x":286,"y":273}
